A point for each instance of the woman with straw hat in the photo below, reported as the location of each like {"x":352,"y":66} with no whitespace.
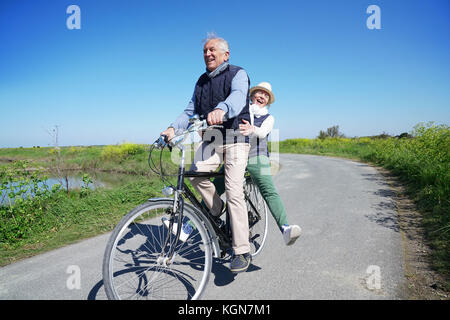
{"x":258,"y":129}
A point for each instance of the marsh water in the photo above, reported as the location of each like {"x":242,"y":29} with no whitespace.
{"x":75,"y":181}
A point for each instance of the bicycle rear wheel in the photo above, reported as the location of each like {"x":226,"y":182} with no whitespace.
{"x":257,"y":216}
{"x":136,"y":264}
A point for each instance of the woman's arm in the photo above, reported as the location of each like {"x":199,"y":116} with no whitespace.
{"x":266,"y":127}
{"x":261,"y":132}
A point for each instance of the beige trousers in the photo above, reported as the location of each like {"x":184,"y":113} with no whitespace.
{"x":208,"y":157}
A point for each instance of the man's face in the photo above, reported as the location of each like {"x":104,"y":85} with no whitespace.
{"x":213,"y":55}
{"x":260,"y":98}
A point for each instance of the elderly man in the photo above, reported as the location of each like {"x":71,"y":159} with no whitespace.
{"x":222,"y":91}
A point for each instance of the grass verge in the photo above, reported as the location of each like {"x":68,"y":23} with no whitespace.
{"x":421,"y":163}
{"x":70,"y":218}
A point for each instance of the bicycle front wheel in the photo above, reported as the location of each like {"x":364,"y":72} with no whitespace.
{"x":137,"y":263}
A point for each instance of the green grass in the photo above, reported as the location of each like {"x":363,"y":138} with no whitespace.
{"x":72,"y":217}
{"x":24,"y":153}
{"x":124,"y":158}
{"x":422,"y":163}
{"x":57,"y":218}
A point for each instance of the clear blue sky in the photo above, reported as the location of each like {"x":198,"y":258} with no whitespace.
{"x":131,"y":68}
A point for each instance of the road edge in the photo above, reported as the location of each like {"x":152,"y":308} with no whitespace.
{"x":422,"y":281}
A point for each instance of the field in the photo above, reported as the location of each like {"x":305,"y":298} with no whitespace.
{"x":59,"y":215}
{"x":36,"y":217}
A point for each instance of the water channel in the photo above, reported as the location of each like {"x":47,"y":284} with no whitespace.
{"x":75,"y":181}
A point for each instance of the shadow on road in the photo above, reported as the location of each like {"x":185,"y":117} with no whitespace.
{"x":220,"y":271}
{"x":385,"y":211}
{"x":95,"y":290}
{"x":222,"y":274}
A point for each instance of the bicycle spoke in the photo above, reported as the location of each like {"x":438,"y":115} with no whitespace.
{"x":140,"y":267}
{"x":257,"y":216}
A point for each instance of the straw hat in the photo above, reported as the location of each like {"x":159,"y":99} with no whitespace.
{"x":264,"y":86}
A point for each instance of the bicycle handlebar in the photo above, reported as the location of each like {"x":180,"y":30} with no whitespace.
{"x":195,"y":124}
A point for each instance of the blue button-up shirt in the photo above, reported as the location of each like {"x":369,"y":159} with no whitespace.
{"x":232,"y":105}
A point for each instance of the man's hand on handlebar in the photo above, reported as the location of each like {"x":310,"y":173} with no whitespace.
{"x":215,"y":117}
{"x":169,"y":132}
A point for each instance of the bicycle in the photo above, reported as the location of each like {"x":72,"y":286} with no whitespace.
{"x":145,"y":259}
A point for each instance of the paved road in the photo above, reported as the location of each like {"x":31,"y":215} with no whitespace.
{"x":350,"y":248}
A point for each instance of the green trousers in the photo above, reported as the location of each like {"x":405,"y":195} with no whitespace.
{"x":259,"y":169}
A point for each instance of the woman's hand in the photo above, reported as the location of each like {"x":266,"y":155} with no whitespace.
{"x":246,"y":128}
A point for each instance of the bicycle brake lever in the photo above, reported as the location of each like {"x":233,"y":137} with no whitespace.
{"x":163,"y":141}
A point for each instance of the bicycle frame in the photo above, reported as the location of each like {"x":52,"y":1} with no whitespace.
{"x":224,"y":238}
{"x":181,"y":190}
{"x":148,"y":252}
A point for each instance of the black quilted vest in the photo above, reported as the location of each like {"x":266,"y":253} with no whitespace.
{"x":258,"y":146}
{"x":210,"y":91}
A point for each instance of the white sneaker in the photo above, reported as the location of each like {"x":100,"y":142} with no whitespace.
{"x":186,"y":229}
{"x":291,"y":234}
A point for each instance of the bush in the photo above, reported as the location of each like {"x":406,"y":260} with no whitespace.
{"x":25,"y":195}
{"x":421,"y":159}
{"x":75,"y":150}
{"x":122,"y":151}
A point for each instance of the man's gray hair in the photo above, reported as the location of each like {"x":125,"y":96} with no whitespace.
{"x":223,"y":44}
